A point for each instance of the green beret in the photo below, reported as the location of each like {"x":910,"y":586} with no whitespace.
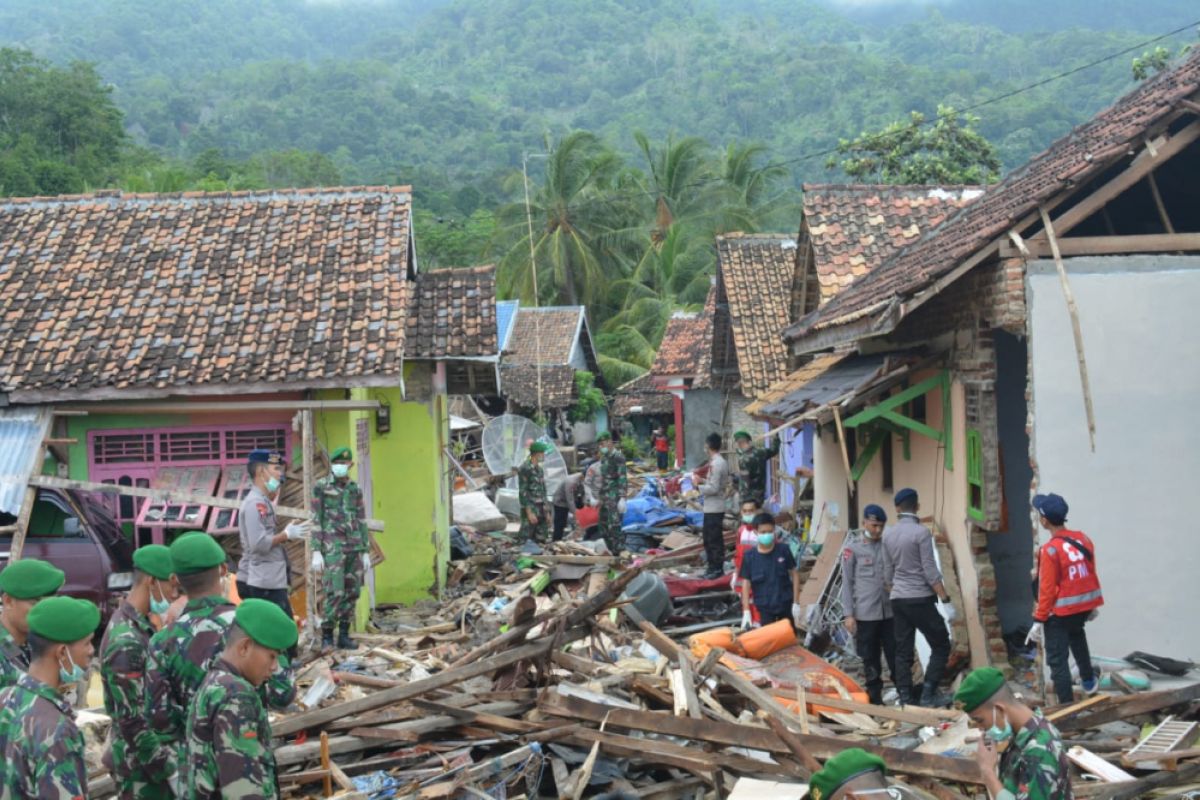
{"x":743,"y":435}
{"x":195,"y":552}
{"x":340,"y":453}
{"x":539,"y":447}
{"x":267,"y":624}
{"x":31,"y":578}
{"x":849,"y":763}
{"x":64,"y":619}
{"x":604,"y":436}
{"x":154,"y":560}
{"x":977,"y":687}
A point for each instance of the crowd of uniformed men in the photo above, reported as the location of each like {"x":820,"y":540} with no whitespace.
{"x":891,"y":588}
{"x":187,"y":674}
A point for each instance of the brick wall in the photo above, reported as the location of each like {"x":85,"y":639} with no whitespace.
{"x":964,"y":317}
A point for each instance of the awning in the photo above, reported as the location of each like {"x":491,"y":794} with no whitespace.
{"x":22,"y":431}
{"x":820,"y":382}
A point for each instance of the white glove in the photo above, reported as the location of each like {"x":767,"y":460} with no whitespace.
{"x":621,"y":505}
{"x":297,"y":530}
{"x":318,"y":562}
{"x":797,"y":613}
{"x":733,"y":581}
{"x":366,"y":559}
{"x":746,"y":620}
{"x":1036,"y":633}
{"x":951,"y":612}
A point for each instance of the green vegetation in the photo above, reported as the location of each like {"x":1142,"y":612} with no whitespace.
{"x":648,"y":126}
{"x":589,"y":399}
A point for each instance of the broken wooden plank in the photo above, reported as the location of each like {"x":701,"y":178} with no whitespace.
{"x":660,"y":752}
{"x":795,"y":745}
{"x":1091,"y":704}
{"x":687,"y":685}
{"x":1133,"y":706}
{"x":916,"y":715}
{"x":723,"y":733}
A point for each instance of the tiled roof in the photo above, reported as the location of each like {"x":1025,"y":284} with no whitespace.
{"x":755,"y":281}
{"x":641,"y":393}
{"x":453,"y":313}
{"x":519,"y":383}
{"x":556,"y":327}
{"x":1071,"y":161}
{"x":154,"y":293}
{"x":854,"y":228}
{"x":686,"y":347}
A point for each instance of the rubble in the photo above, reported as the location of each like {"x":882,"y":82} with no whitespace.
{"x":559,"y":670}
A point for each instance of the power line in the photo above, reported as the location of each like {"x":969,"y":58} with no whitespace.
{"x":611,"y":198}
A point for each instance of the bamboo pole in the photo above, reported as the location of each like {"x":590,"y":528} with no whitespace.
{"x":841,"y":432}
{"x":310,"y":583}
{"x":22,"y":526}
{"x":1076,"y":330}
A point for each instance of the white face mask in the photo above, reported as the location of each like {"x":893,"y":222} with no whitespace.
{"x":339,"y":470}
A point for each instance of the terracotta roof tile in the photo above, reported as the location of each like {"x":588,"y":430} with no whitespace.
{"x":755,"y":281}
{"x":453,"y":313}
{"x":641,"y":393}
{"x":1074,"y":159}
{"x":118,"y":291}
{"x":556,"y":327}
{"x":686,"y":347}
{"x":854,"y":228}
{"x":519,"y":383}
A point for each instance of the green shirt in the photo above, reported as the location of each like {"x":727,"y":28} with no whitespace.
{"x":1035,"y":767}
{"x":14,"y":659}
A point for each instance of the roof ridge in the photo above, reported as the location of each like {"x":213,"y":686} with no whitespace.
{"x":118,"y":194}
{"x":876,"y":188}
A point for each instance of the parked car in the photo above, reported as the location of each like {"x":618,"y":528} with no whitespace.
{"x":79,"y":535}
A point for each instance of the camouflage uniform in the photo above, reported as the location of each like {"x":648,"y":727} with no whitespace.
{"x":752,"y":468}
{"x":123,"y":675}
{"x":228,"y":748}
{"x":341,"y":538}
{"x":41,"y":748}
{"x":612,"y":492}
{"x":531,"y":480}
{"x":1035,"y":767}
{"x":180,"y":655}
{"x":14,"y":659}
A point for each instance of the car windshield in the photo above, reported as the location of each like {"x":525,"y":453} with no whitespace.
{"x":106,"y":528}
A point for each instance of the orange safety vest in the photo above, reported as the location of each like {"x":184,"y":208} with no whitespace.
{"x":1067,"y":579}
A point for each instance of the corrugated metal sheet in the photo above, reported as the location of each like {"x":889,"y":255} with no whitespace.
{"x":22,"y":431}
{"x":506,"y":312}
{"x":816,"y":387}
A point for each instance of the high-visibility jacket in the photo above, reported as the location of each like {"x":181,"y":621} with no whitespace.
{"x":1067,"y":579}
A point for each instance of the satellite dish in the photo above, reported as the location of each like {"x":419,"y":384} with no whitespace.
{"x":506,"y":441}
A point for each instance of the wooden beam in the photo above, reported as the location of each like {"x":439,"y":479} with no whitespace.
{"x":22,"y":526}
{"x":1141,"y":166}
{"x":752,"y":736}
{"x":216,"y":407}
{"x":658,"y":752}
{"x":911,"y":714}
{"x":1190,"y":106}
{"x":1158,"y":201}
{"x":307,"y":453}
{"x":1132,"y":707}
{"x":794,"y":745}
{"x":1115,"y":245}
{"x":841,"y":434}
{"x":1076,"y":330}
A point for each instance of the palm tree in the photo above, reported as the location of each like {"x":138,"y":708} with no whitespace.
{"x":681,"y":178}
{"x":753,"y":188}
{"x":582,"y":226}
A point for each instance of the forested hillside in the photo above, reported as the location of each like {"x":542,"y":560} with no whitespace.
{"x":651,"y":125}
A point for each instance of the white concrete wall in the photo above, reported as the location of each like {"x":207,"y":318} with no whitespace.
{"x":1135,"y":496}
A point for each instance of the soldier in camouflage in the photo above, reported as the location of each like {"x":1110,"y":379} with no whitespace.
{"x":340,"y":546}
{"x":1022,"y":755}
{"x":752,"y":466}
{"x":613,"y":480}
{"x":228,"y":752}
{"x":41,"y":750}
{"x":22,"y":584}
{"x":531,"y":492}
{"x":123,"y":670}
{"x":183,"y":652}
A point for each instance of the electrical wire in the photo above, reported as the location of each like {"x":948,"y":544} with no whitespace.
{"x":615,"y":197}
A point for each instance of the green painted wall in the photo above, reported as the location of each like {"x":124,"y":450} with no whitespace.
{"x":409,"y":495}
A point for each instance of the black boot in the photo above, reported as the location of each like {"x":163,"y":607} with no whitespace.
{"x":327,"y":638}
{"x":344,"y":642}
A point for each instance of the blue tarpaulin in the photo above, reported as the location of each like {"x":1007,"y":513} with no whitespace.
{"x":647,"y":510}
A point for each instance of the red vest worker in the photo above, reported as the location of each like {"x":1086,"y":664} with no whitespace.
{"x":1068,"y":596}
